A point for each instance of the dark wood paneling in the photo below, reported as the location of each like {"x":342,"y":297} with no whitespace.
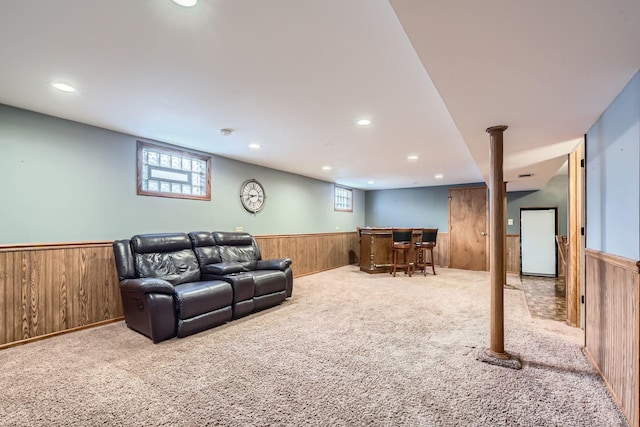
{"x":612,"y":326}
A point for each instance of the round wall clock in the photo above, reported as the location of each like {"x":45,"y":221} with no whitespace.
{"x":252,"y":196}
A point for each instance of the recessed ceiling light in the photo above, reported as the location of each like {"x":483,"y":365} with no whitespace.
{"x":63,"y":86}
{"x":371,"y":182}
{"x":254,"y":146}
{"x":364,"y":122}
{"x":412,"y":157}
{"x":438,"y":176}
{"x":185,"y":3}
{"x":326,"y":168}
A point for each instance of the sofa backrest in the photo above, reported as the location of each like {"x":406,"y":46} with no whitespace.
{"x":204,"y":245}
{"x":237,"y":247}
{"x":124,"y":259}
{"x":167,"y":256}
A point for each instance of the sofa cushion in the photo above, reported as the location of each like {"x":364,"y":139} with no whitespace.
{"x":237,"y":247}
{"x":197,"y":298}
{"x":174,"y":267}
{"x":204,"y":245}
{"x":162,"y":242}
{"x":166,"y":256}
{"x":268,"y":281}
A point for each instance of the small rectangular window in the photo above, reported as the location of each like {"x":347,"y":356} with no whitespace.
{"x":168,"y":171}
{"x":343,"y":199}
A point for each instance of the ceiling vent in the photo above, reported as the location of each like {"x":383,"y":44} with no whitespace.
{"x":525,"y":175}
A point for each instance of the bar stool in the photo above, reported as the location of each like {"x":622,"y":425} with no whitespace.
{"x":401,"y":243}
{"x":426,"y":244}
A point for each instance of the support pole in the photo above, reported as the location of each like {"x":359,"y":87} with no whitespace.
{"x":495,"y":354}
{"x":496,"y":241}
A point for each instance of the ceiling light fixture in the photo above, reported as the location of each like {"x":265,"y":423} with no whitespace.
{"x":326,"y":168}
{"x":254,"y":146}
{"x":438,"y":176}
{"x":371,"y":182}
{"x":225,"y":132}
{"x":364,"y":122}
{"x":185,"y":3}
{"x":64,"y":87}
{"x":413,"y":157}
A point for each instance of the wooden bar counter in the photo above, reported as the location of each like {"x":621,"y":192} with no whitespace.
{"x":375,"y":249}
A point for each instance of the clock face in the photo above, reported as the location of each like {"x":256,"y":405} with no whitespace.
{"x":252,"y":196}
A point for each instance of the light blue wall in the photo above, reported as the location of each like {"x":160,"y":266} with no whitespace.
{"x":422,"y":207}
{"x":553,"y":195}
{"x":429,"y":206}
{"x":613,"y":176}
{"x":62,"y":181}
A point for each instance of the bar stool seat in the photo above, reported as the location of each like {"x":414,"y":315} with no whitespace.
{"x":425,"y":245}
{"x":401,"y":244}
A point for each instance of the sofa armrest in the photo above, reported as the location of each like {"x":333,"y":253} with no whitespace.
{"x":274,"y":264}
{"x":147,"y":285}
{"x":223,"y":268}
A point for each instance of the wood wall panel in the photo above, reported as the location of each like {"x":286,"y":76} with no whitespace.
{"x":49,"y":289}
{"x":513,"y":253}
{"x":612,"y":326}
{"x":441,"y":251}
{"x":311,"y":253}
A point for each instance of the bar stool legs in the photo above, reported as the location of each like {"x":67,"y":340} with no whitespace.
{"x":406,"y":264}
{"x":421,"y":259}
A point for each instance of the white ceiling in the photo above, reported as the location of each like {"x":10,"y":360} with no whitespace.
{"x":296,"y":75}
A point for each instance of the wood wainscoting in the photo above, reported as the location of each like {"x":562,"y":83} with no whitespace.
{"x":312,"y":253}
{"x":612,"y":326}
{"x":45,"y":289}
{"x":50,"y":289}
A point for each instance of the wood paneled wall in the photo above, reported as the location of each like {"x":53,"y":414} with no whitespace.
{"x":49,"y":289}
{"x":513,"y":253}
{"x":441,"y":251}
{"x":312,"y":253}
{"x":612,"y":328}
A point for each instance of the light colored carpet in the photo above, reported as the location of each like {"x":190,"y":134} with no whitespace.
{"x":349,"y":349}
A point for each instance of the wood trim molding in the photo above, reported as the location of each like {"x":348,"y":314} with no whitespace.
{"x":619,"y":261}
{"x":44,"y":246}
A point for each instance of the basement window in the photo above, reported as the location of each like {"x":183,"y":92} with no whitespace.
{"x":170,"y":171}
{"x":343,"y":199}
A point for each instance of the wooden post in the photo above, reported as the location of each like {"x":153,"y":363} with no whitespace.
{"x":497,"y":242}
{"x":495,"y":353}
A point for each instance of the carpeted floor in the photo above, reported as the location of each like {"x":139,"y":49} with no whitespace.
{"x":349,"y":349}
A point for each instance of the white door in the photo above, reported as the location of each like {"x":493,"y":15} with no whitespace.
{"x":538,"y":242}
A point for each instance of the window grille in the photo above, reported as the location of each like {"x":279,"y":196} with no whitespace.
{"x":164,"y":171}
{"x":343,"y":199}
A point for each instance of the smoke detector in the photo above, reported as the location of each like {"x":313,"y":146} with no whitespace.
{"x":225,"y":132}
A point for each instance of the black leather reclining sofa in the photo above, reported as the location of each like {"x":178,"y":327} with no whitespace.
{"x":178,"y":284}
